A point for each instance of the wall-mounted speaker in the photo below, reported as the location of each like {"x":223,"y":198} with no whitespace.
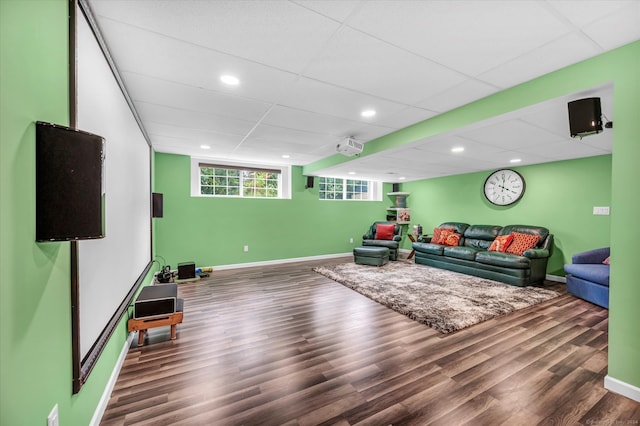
{"x":396,"y":187}
{"x":309,"y":182}
{"x":585,"y":117}
{"x":157,"y":210}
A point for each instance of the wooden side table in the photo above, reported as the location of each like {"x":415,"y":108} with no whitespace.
{"x":413,"y":240}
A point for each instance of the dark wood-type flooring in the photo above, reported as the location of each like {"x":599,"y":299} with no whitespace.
{"x":284,"y":345}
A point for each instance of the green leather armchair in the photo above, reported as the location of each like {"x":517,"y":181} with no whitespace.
{"x":369,"y":239}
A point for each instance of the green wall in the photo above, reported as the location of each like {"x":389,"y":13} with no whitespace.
{"x":213,"y":231}
{"x":35,"y":319}
{"x":559,"y":196}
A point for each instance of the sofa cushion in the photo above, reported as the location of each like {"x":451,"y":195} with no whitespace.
{"x":480,"y":236}
{"x":503,"y":259}
{"x":385,"y":231}
{"x":430,"y":248}
{"x":501,"y":243}
{"x":461,"y":252}
{"x":522,"y":242}
{"x":594,"y":272}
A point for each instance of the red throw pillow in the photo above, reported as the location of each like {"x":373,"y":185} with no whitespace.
{"x":385,"y":231}
{"x":452,"y":239}
{"x":437,"y":235}
{"x":501,"y":243}
{"x":607,"y":261}
{"x":522,"y":243}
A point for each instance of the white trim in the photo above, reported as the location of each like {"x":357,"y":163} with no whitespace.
{"x":281,"y":261}
{"x":106,"y":395}
{"x":624,"y":389}
{"x":556,"y":278}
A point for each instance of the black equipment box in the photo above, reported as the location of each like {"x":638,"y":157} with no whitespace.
{"x":156,"y":301}
{"x":186,"y":270}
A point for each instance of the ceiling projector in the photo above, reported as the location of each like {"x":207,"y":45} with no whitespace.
{"x":350,"y":147}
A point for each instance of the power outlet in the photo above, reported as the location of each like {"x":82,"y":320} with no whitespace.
{"x":52,"y":418}
{"x":245,"y":248}
{"x":350,"y":240}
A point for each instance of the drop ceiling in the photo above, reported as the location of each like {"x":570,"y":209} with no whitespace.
{"x":307,"y":70}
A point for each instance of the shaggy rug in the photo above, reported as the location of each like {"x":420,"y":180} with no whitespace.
{"x":444,"y":300}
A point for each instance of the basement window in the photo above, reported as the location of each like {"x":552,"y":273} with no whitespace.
{"x":236,"y":180}
{"x":348,"y":189}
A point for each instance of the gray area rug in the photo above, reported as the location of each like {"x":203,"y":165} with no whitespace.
{"x":444,"y":300}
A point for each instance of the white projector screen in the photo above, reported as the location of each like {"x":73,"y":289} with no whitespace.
{"x":108,"y":268}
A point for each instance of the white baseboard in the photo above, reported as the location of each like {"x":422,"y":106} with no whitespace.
{"x":104,"y":400}
{"x":280,"y":261}
{"x":556,"y":278}
{"x":624,"y":389}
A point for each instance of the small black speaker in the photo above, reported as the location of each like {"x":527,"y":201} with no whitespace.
{"x":585,"y":117}
{"x":157,"y":204}
{"x":396,"y":187}
{"x":309,"y":182}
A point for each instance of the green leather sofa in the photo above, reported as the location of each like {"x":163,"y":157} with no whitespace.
{"x":471,"y":255}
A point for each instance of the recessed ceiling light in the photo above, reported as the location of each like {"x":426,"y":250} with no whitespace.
{"x":286,"y":156}
{"x":401,"y":178}
{"x":352,"y":173}
{"x":230,"y":80}
{"x":457,"y":149}
{"x":205,"y":147}
{"x":368,"y":113}
{"x":515,"y":160}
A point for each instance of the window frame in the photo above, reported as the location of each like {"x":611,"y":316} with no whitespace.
{"x":374,"y":189}
{"x":284,"y":186}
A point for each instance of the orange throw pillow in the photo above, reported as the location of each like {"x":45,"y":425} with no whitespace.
{"x":452,"y":239}
{"x":384,"y":231}
{"x":437,"y":235}
{"x":522,"y":243}
{"x":501,"y":243}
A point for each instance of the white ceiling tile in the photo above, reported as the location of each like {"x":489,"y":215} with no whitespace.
{"x":366,"y":64}
{"x":466,"y":92}
{"x":338,"y":10}
{"x":312,"y":95}
{"x":469,"y":36}
{"x":581,"y":13}
{"x":191,"y":119}
{"x":281,"y":34}
{"x":166,"y":93}
{"x":406,"y":117}
{"x":614,"y":30}
{"x":150,"y":54}
{"x":292,"y":118}
{"x":569,"y":49}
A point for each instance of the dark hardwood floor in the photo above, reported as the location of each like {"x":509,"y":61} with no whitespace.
{"x":284,"y":345}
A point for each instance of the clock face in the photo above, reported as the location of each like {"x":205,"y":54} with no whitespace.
{"x":504,"y":187}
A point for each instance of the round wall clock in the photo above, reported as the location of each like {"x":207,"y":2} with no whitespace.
{"x":504,"y":187}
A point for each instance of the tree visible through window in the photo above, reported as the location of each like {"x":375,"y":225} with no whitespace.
{"x":231,"y":181}
{"x":343,"y":189}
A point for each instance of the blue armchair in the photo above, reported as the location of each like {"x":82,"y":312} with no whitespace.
{"x":588,"y":277}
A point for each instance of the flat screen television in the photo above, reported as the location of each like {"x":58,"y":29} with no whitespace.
{"x":585,"y":117}
{"x":70,"y":200}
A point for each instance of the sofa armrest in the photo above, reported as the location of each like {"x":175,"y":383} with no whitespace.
{"x":591,"y":256}
{"x":536,"y":253}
